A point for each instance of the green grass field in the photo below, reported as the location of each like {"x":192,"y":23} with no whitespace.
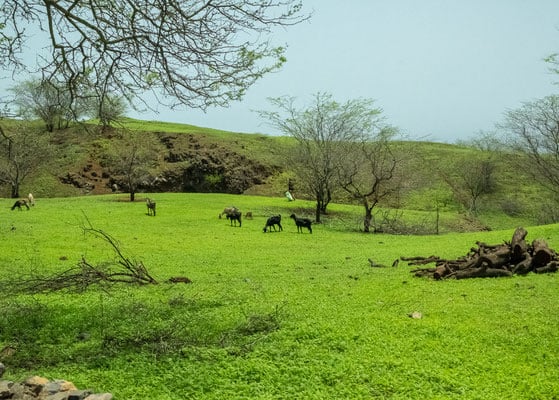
{"x":279,"y":315}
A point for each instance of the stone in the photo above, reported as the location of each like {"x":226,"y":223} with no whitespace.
{"x":39,"y":388}
{"x":78,"y":394}
{"x":100,"y":396}
{"x":5,"y":389}
{"x":35,"y":384}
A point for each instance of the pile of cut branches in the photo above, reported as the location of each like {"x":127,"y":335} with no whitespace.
{"x":484,"y":261}
{"x":78,"y":278}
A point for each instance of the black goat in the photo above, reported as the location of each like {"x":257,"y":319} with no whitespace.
{"x":151,"y":206}
{"x":19,"y":203}
{"x":301,"y":223}
{"x":272,"y":222}
{"x":234,"y":216}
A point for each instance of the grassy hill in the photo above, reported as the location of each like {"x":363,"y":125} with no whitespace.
{"x":254,"y":164}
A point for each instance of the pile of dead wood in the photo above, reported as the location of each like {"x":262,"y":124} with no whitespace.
{"x":484,"y":261}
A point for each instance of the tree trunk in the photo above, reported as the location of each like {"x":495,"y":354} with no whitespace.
{"x":368,"y":216}
{"x":317,"y":211}
{"x":132,"y":196}
{"x":15,"y":191}
{"x":319,"y":205}
{"x":325,"y":202}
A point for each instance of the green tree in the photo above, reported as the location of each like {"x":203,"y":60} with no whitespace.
{"x":189,"y":53}
{"x":323,"y":132}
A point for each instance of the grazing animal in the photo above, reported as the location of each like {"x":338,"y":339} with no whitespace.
{"x":31,"y":199}
{"x":228,"y":210}
{"x":248,"y":215}
{"x":301,"y":223}
{"x":19,"y":203}
{"x":233,"y":214}
{"x":151,"y":206}
{"x":272,"y":222}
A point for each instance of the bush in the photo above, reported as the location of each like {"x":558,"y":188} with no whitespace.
{"x":512,"y":207}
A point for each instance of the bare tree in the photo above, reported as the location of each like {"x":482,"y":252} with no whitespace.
{"x":133,"y":159}
{"x":533,"y":132}
{"x":23,"y":151}
{"x":369,"y":174}
{"x":470,"y":179}
{"x":190,"y":53}
{"x":323,"y":132}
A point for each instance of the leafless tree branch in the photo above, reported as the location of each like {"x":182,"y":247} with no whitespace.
{"x":194,"y":54}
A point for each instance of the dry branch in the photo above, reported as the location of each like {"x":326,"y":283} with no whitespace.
{"x":85,"y":274}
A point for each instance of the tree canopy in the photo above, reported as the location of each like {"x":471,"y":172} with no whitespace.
{"x":191,"y":53}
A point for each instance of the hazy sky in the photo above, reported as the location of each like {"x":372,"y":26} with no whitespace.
{"x":441,"y":70}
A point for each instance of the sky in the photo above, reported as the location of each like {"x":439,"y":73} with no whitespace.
{"x":441,"y":70}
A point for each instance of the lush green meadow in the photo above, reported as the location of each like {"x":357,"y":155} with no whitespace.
{"x":278,"y":315}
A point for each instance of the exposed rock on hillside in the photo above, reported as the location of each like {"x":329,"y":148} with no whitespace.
{"x":188,"y":166}
{"x":192,"y":167}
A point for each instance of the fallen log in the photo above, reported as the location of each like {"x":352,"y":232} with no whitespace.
{"x":420,"y":260}
{"x":518,"y":244}
{"x":494,"y":260}
{"x":424,"y":272}
{"x":441,"y":271}
{"x":485,"y":246}
{"x":481,"y":273}
{"x":551,"y":267}
{"x":516,"y":257}
{"x":541,"y":253}
{"x":524,"y":266}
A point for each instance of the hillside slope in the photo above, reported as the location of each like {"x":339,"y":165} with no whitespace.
{"x":199,"y":159}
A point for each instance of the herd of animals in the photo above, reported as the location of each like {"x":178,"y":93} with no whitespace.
{"x":233,"y":214}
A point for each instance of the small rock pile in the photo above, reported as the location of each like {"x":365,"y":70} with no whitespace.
{"x":39,"y":388}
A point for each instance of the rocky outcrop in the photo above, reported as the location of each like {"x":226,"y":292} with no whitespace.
{"x":188,"y":165}
{"x":39,"y":388}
